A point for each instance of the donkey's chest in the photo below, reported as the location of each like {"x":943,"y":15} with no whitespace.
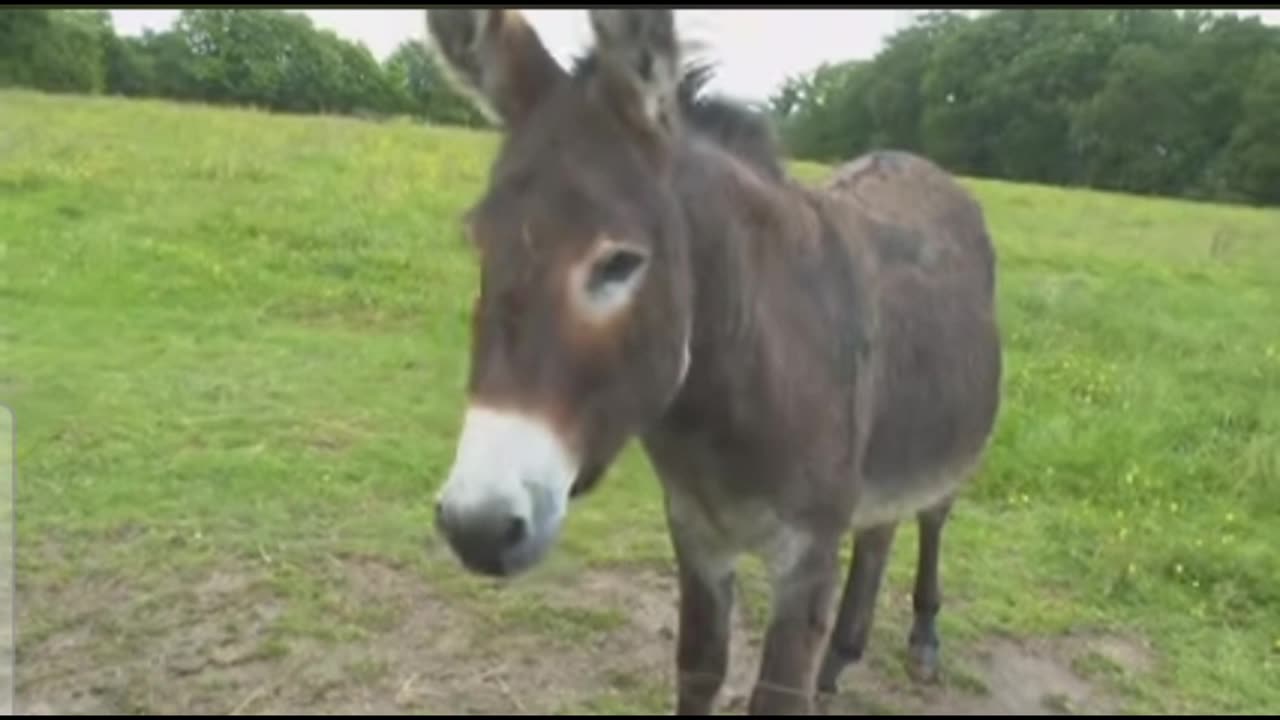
{"x":717,"y":528}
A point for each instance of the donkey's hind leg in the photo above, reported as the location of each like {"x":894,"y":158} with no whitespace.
{"x":923,"y":646}
{"x":848,"y":638}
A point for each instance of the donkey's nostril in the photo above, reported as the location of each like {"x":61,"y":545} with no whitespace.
{"x":516,"y":531}
{"x":490,"y":537}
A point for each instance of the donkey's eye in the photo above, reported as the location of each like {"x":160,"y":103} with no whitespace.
{"x":612,"y":279}
{"x":616,"y":267}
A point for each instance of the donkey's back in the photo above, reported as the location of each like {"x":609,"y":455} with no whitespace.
{"x":937,"y":364}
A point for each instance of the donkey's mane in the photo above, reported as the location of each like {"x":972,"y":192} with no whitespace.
{"x":741,"y":130}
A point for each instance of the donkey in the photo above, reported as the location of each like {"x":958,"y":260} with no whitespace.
{"x":797,"y":362}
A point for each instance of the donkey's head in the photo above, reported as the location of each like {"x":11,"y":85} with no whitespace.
{"x":581,"y":328}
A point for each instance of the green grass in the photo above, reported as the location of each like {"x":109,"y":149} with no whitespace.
{"x":233,"y":339}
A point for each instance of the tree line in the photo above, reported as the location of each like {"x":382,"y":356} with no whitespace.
{"x":268,"y":59}
{"x":1178,"y":103}
{"x":1175,"y":103}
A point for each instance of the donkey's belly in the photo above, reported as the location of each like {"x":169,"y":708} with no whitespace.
{"x":890,"y":498}
{"x":937,"y":395}
{"x":929,"y":441}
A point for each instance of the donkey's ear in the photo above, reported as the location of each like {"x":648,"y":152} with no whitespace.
{"x":640,"y":56}
{"x":496,"y":57}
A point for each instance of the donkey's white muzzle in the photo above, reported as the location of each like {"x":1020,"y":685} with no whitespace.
{"x":507,"y":493}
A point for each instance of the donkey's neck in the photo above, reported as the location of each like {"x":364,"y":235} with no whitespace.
{"x":773,"y":284}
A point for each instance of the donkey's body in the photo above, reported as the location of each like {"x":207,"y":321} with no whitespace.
{"x":845,"y":373}
{"x":798,"y":362}
{"x":844,"y":359}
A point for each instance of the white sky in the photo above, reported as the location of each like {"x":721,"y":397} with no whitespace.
{"x":755,"y":49}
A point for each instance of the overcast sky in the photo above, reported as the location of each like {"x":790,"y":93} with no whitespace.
{"x":756,"y":49}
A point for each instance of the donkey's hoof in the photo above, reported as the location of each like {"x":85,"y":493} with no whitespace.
{"x":923,"y":663}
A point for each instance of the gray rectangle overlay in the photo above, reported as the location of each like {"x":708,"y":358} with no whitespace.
{"x":8,"y":556}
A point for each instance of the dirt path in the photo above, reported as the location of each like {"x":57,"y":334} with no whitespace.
{"x":220,"y":651}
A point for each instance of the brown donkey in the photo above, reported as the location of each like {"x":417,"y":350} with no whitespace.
{"x":798,"y":363}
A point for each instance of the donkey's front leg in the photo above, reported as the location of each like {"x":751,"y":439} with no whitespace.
{"x":804,"y":583}
{"x":702,"y":654}
{"x":706,"y":604}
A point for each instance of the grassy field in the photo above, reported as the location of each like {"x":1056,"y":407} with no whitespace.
{"x":235,"y":348}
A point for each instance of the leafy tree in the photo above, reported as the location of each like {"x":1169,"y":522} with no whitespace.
{"x":1135,"y":131}
{"x":53,"y":50}
{"x":130,"y":68}
{"x":1151,"y":101}
{"x":421,"y":83}
{"x":1252,"y":155}
{"x":895,"y":81}
{"x":823,"y":114}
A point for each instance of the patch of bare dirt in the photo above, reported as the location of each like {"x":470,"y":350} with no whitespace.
{"x":1129,"y":654}
{"x":447,"y":662}
{"x":218,"y":645}
{"x":1000,"y":676}
{"x":113,"y":650}
{"x":1024,"y":677}
{"x":645,"y":646}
